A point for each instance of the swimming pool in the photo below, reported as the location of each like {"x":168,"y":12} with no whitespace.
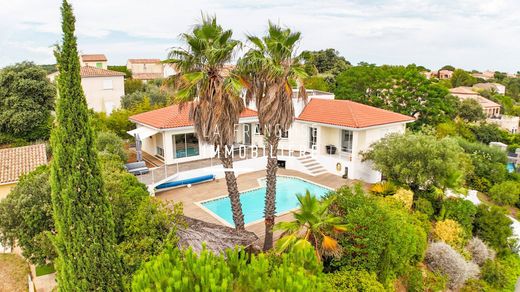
{"x":253,"y":201}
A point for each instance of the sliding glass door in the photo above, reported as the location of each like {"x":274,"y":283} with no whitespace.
{"x":185,"y":145}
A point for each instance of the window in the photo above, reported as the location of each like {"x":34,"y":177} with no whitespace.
{"x":284,"y":134}
{"x":107,"y":84}
{"x":159,"y":151}
{"x":257,"y":129}
{"x":185,"y":145}
{"x":346,"y":141}
{"x":313,"y":137}
{"x":99,"y":65}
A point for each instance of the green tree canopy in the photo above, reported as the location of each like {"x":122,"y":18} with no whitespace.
{"x":26,"y":101}
{"x":26,"y":216}
{"x":470,"y":110}
{"x":462,"y":78}
{"x":327,"y":61}
{"x":400,"y":89}
{"x":419,"y":160}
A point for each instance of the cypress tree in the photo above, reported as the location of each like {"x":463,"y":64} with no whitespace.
{"x":85,"y":239}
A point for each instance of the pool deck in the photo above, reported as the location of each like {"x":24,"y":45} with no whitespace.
{"x":205,"y":191}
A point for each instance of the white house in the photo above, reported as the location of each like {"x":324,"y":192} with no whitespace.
{"x":103,"y":88}
{"x":327,"y":135}
{"x":493,"y":87}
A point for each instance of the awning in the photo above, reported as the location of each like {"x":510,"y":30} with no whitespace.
{"x":143,"y":132}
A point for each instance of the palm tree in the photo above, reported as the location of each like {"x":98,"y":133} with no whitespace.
{"x":313,"y":225}
{"x":266,"y":70}
{"x":213,"y":94}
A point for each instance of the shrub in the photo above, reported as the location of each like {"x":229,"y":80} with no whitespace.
{"x":235,"y":271}
{"x":353,"y":280}
{"x":502,"y":273}
{"x":493,"y":226}
{"x":479,"y":251}
{"x":109,"y":142}
{"x":133,"y":85}
{"x":405,"y":197}
{"x":26,"y":216}
{"x":449,"y":231}
{"x":384,"y":188}
{"x":442,"y":258}
{"x":150,"y":91}
{"x":505,"y":193}
{"x":476,"y":285}
{"x":424,"y":206}
{"x":421,"y":279}
{"x":380,"y":237}
{"x":460,"y":210}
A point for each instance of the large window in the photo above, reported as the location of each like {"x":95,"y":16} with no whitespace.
{"x":346,"y":141}
{"x":185,"y":145}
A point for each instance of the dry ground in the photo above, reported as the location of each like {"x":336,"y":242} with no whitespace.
{"x":13,"y":273}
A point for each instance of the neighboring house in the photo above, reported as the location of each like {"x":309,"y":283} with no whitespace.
{"x":146,"y":69}
{"x":445,"y":74}
{"x":491,"y":108}
{"x":321,"y":125}
{"x":486,"y":75}
{"x":492,"y":87}
{"x":508,"y":123}
{"x":94,"y":60}
{"x":103,"y":88}
{"x":14,"y":162}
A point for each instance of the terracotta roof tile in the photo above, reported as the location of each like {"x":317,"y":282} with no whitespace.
{"x":144,"y":61}
{"x":88,"y":71}
{"x":174,"y":117}
{"x":20,"y":160}
{"x":346,"y":113}
{"x":93,"y":57}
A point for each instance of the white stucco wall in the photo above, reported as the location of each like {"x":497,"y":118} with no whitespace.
{"x":145,"y":68}
{"x":102,"y":97}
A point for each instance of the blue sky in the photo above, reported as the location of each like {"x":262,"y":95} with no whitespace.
{"x":471,"y":34}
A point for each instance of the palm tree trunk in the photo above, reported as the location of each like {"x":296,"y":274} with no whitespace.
{"x":234,"y":195}
{"x":270,"y":194}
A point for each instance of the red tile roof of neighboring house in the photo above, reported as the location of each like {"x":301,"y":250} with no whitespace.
{"x":144,"y":61}
{"x":93,"y":58}
{"x":346,"y":113}
{"x":88,"y":71}
{"x":20,"y":160}
{"x":147,"y":76}
{"x":174,"y":117}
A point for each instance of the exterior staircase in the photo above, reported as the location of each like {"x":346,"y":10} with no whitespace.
{"x":312,"y":165}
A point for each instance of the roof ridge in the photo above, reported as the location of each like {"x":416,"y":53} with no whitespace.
{"x":352,"y":114}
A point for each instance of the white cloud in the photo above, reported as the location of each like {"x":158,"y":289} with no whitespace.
{"x":466,"y":33}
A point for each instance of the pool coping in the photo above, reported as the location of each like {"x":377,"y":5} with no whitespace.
{"x":221,"y":220}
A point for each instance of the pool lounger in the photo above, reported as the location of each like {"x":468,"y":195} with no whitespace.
{"x":184,"y":182}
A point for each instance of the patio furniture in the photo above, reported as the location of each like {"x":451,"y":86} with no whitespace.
{"x":137,"y":168}
{"x":331,"y":149}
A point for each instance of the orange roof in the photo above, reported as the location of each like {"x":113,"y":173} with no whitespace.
{"x":144,"y":61}
{"x":147,"y":76}
{"x":346,"y":113}
{"x":88,"y":71}
{"x":174,"y":117}
{"x":20,"y":160}
{"x":93,"y":57}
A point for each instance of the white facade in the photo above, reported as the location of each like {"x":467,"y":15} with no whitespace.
{"x":508,"y":123}
{"x":103,"y":93}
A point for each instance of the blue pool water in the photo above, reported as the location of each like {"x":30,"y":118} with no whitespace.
{"x":253,"y":201}
{"x":510,"y":167}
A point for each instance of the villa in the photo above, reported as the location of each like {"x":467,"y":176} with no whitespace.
{"x":327,"y":136}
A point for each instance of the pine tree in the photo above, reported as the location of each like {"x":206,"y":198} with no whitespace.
{"x":85,"y":240}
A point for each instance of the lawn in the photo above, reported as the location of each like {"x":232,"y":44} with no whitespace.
{"x":44,"y":270}
{"x":13,"y":273}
